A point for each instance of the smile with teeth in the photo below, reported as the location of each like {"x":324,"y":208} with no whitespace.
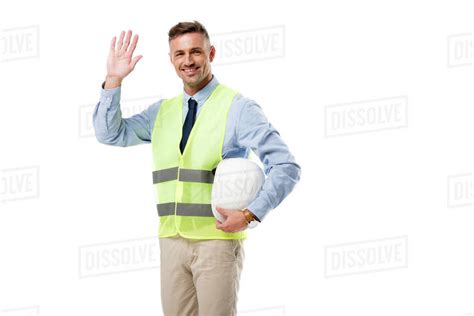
{"x":191,"y":71}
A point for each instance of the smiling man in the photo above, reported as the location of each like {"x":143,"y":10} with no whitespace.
{"x":191,"y":55}
{"x":201,"y":258}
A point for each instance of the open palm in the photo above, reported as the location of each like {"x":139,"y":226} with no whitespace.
{"x":120,"y":62}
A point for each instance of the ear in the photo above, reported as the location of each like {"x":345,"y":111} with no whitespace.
{"x":171,"y":59}
{"x":212,"y":53}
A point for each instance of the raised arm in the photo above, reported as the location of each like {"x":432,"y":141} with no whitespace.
{"x":110,"y":128}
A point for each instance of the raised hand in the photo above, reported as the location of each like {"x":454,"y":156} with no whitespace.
{"x":120,"y":62}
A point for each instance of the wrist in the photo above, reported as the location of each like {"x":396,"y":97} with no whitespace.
{"x":249,"y":216}
{"x":112,"y":82}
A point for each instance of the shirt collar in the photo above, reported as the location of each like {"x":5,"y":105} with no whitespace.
{"x":202,"y":95}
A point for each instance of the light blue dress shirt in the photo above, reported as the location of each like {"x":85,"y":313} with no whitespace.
{"x":247,"y":129}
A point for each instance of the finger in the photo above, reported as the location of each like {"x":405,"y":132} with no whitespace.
{"x":112,"y":44}
{"x":135,"y":60}
{"x":120,"y":42}
{"x":131,"y":49}
{"x":127,"y":41}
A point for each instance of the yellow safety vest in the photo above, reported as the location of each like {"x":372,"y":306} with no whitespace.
{"x":183,"y":182}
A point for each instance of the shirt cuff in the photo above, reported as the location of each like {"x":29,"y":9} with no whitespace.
{"x":109,"y":96}
{"x":109,"y":92}
{"x":259,"y":208}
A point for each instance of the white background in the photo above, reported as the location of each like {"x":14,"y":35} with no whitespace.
{"x":357,"y":187}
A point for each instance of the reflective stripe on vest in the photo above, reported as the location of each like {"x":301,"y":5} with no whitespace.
{"x":184,"y":209}
{"x":183,"y":181}
{"x":187,"y":175}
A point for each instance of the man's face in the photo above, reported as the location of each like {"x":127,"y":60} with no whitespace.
{"x":191,"y":55}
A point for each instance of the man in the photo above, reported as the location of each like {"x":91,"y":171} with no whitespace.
{"x":201,"y":258}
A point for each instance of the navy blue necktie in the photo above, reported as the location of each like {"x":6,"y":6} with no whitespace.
{"x":188,"y":123}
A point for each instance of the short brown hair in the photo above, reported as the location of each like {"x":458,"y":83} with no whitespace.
{"x":187,"y":27}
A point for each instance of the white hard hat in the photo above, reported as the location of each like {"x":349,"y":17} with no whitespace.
{"x":237,"y":181}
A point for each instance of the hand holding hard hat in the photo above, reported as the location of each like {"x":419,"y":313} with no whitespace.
{"x":237,"y":182}
{"x":234,"y":221}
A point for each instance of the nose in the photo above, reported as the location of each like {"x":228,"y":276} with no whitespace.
{"x":189,"y":60}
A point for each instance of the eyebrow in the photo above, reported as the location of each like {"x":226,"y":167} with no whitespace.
{"x":194,"y":48}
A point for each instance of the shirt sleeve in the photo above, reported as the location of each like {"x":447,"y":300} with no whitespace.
{"x":254,"y":131}
{"x":111,"y":129}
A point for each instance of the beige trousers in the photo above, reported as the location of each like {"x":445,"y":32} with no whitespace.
{"x":200,"y":277}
